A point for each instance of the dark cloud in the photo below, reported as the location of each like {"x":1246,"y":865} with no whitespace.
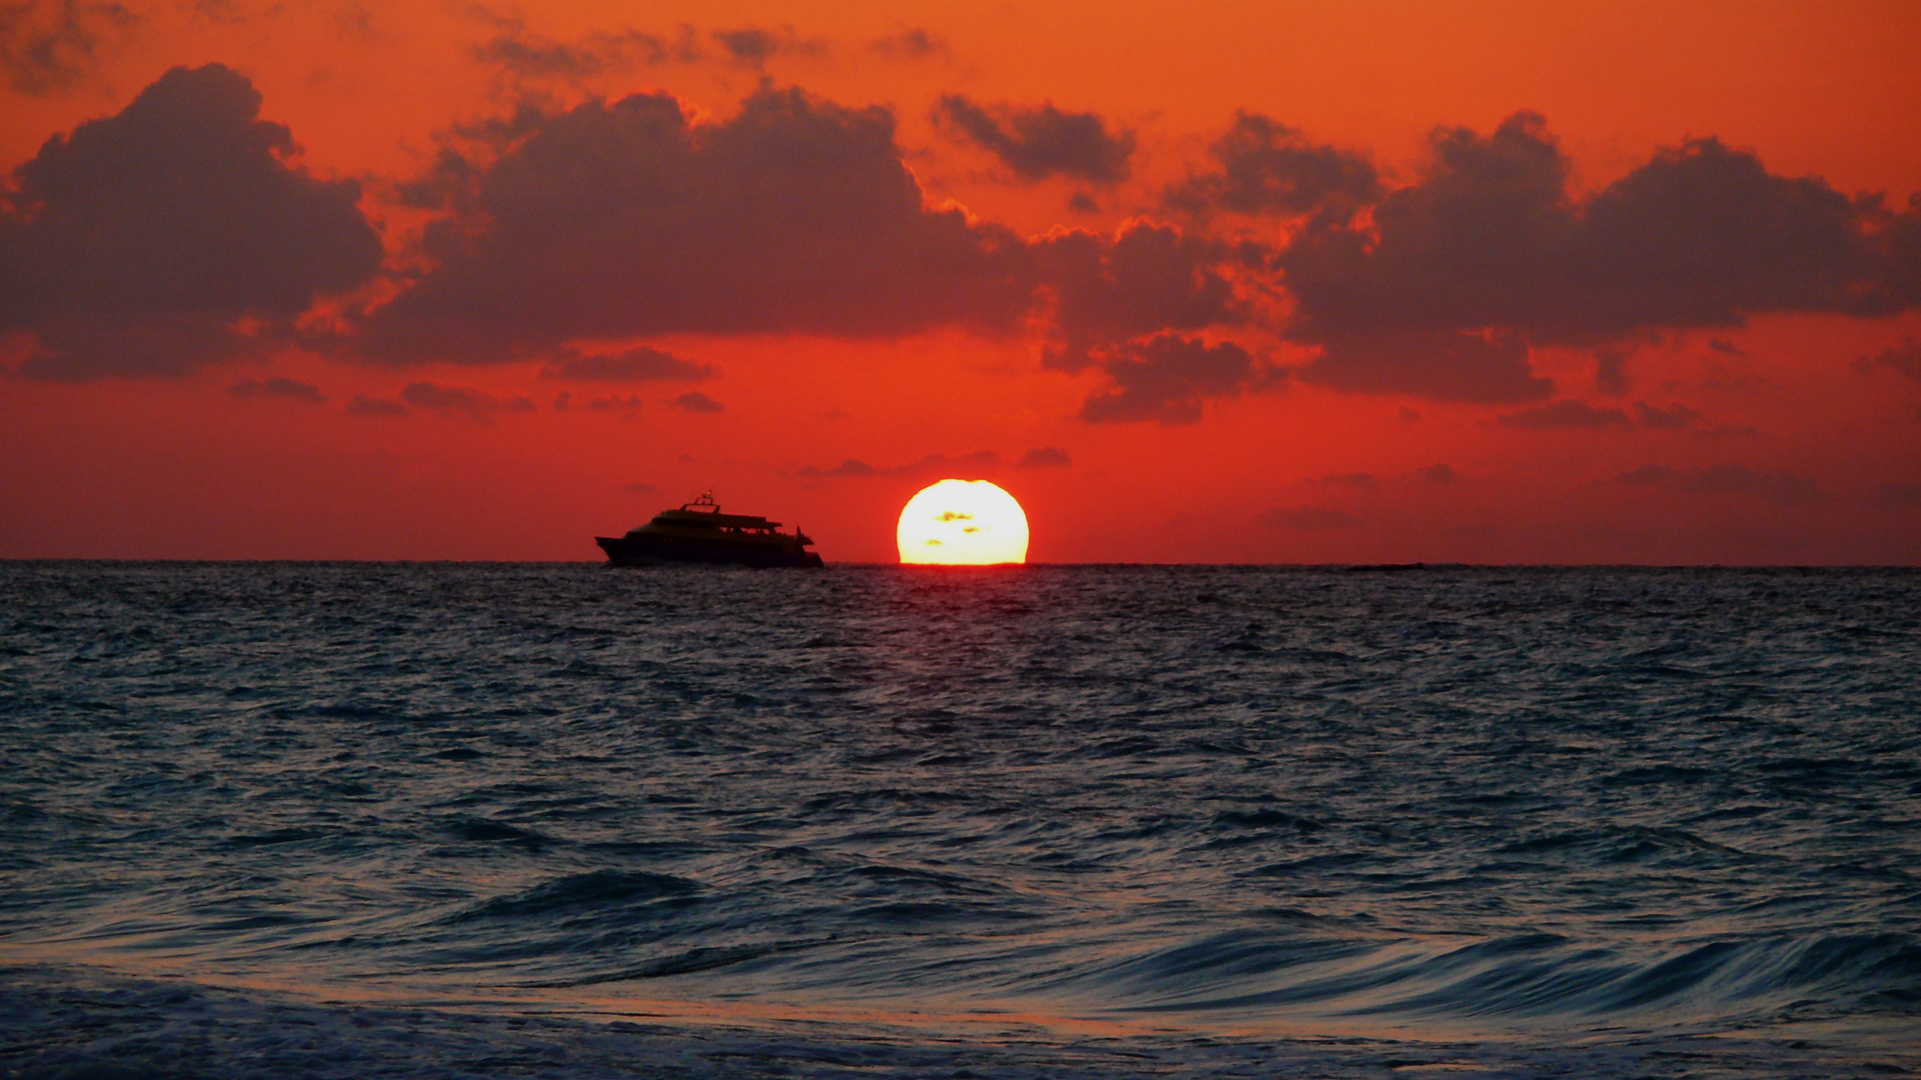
{"x":1646,"y":474}
{"x":1777,"y":486}
{"x":1562,"y":415}
{"x":1443,"y":365}
{"x":628,"y":405}
{"x":639,"y":487}
{"x":1042,"y":141}
{"x":362,"y":405}
{"x":910,"y":43}
{"x":1671,"y":418}
{"x":278,"y":386}
{"x":1904,"y":358}
{"x":1567,"y":414}
{"x":1904,"y":496}
{"x":73,"y":347}
{"x":1610,"y":371}
{"x":1269,"y":168}
{"x":696,"y":402}
{"x":1727,"y":347}
{"x":1146,"y":279}
{"x":1359,"y":481}
{"x":852,"y":467}
{"x":1308,"y":519}
{"x":1439,"y":473}
{"x":624,"y":218}
{"x":47,"y":47}
{"x":1044,"y":457}
{"x":755,"y":45}
{"x":1165,"y":379}
{"x":1489,"y":243}
{"x":976,"y":462}
{"x":532,"y":56}
{"x":460,"y":399}
{"x":635,"y":365}
{"x":130,"y":246}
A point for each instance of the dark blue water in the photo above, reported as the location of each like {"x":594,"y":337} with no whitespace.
{"x":1202,"y":818}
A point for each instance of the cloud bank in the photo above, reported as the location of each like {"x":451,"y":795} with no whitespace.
{"x":133,"y":245}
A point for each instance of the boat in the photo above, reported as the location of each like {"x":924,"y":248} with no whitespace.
{"x":699,"y":533}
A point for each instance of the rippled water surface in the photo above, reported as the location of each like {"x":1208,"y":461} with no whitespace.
{"x":1207,"y":810}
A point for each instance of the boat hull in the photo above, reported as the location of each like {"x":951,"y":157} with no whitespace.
{"x":653,"y":551}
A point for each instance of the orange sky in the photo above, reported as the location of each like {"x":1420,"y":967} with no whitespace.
{"x":1658,"y":324}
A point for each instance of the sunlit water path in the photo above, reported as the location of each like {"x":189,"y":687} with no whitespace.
{"x":1096,"y":820}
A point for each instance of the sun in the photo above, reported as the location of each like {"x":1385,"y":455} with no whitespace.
{"x":962,"y":522}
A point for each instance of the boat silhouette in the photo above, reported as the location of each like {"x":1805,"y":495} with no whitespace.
{"x":699,"y":533}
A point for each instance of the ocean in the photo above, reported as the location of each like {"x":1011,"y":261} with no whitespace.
{"x":313,"y":819}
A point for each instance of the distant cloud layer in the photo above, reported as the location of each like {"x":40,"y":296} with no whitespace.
{"x":131,"y":246}
{"x":182,"y":231}
{"x":634,"y":365}
{"x":1782,"y":487}
{"x":853,"y":468}
{"x":1044,"y":457}
{"x":278,"y":386}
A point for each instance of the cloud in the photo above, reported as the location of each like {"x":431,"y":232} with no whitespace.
{"x":1443,"y":365}
{"x":1904,"y":357}
{"x":910,"y":43}
{"x":1041,"y":141}
{"x":625,"y":218}
{"x":1044,"y":457}
{"x":362,"y":405}
{"x":1562,"y":415}
{"x":132,"y":245}
{"x":1725,"y":347}
{"x":460,"y":399}
{"x":628,"y":405}
{"x":1165,"y":379}
{"x":696,"y":402}
{"x":639,"y":487}
{"x":755,"y":45}
{"x":530,"y":55}
{"x":1777,"y":486}
{"x":1610,"y":371}
{"x":1489,"y":245}
{"x":852,"y":467}
{"x":1645,"y":474}
{"x":1904,"y":496}
{"x":1569,"y":414}
{"x":1145,"y":279}
{"x":976,"y":462}
{"x":1359,"y":481}
{"x":278,"y":386}
{"x":635,"y":365}
{"x":49,"y":47}
{"x":1674,"y":417}
{"x":1269,"y":168}
{"x":1308,"y":519}
{"x":1440,"y":473}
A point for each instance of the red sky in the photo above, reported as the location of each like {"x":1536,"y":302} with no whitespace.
{"x":1202,"y":282}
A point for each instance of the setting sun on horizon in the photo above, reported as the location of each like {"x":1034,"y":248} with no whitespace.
{"x":962,"y":523}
